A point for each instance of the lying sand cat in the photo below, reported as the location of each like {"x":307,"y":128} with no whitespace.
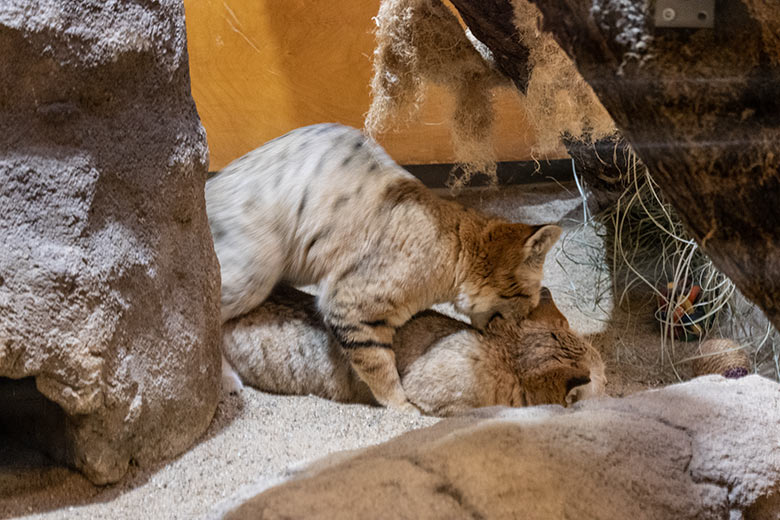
{"x":324,"y":204}
{"x":446,"y":367}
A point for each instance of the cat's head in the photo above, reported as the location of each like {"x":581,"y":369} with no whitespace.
{"x":550,"y":363}
{"x":506,"y":275}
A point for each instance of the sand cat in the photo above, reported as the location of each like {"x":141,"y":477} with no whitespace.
{"x":446,"y":366}
{"x":324,"y":204}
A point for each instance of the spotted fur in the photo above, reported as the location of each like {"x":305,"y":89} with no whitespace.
{"x":446,"y":366}
{"x":323,"y":204}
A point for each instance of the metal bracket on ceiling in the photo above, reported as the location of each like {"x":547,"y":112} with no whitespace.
{"x":688,"y":14}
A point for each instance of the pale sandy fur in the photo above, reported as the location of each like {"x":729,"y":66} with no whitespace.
{"x":446,"y":366}
{"x":325,"y":205}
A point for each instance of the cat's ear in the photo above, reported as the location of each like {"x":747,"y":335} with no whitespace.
{"x":560,"y":385}
{"x":577,"y":385}
{"x":539,"y":243}
{"x":548,"y":312}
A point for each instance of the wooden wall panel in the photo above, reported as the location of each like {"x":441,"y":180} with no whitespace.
{"x":263,"y":67}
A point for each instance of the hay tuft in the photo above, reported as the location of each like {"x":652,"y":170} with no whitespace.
{"x":558,"y":100}
{"x":765,"y":13}
{"x":422,"y":41}
{"x":647,"y":247}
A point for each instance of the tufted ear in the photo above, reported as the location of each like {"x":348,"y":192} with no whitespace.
{"x":547,"y":312}
{"x":539,"y":243}
{"x":559,"y":385}
{"x":576,"y":389}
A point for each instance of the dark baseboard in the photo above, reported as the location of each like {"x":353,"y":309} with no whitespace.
{"x":509,"y":172}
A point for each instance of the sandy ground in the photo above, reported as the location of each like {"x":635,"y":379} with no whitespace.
{"x":256,"y":436}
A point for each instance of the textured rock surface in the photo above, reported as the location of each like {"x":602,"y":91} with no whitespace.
{"x":109,"y":285}
{"x":704,"y":449}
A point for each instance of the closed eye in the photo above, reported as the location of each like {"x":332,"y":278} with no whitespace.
{"x":515,"y":295}
{"x":494,"y":316}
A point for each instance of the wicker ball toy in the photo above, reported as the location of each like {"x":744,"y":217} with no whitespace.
{"x":721,"y":356}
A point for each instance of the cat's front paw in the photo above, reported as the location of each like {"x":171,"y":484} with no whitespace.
{"x":406,"y":407}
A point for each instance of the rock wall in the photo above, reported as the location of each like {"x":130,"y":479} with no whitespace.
{"x":109,"y":285}
{"x":705,"y":449}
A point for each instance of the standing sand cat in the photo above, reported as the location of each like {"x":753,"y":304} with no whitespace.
{"x":324,"y":204}
{"x":446,"y":367}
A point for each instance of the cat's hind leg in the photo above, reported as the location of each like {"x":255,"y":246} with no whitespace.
{"x":249,"y":271}
{"x":248,"y":277}
{"x":249,"y":274}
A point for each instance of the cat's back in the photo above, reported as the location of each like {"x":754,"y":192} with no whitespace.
{"x":322,"y":184}
{"x":299,"y":167}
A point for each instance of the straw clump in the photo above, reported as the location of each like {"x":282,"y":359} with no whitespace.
{"x":559,"y":101}
{"x":420,"y":42}
{"x":765,"y":11}
{"x":648,"y":249}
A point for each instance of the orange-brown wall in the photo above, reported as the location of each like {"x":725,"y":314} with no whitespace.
{"x":263,"y":67}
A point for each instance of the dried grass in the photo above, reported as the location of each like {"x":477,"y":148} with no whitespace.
{"x":766,"y":13}
{"x":422,"y":41}
{"x":647,"y":246}
{"x":558,"y":100}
